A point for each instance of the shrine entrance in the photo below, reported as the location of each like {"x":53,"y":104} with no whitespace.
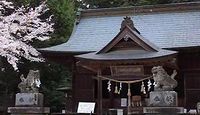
{"x":123,"y":69}
{"x":129,"y":91}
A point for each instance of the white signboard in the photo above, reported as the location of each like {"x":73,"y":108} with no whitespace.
{"x":86,"y":107}
{"x":123,"y":102}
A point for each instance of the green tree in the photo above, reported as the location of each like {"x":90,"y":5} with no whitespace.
{"x":118,"y":3}
{"x":64,"y":16}
{"x":8,"y":85}
{"x":26,"y":3}
{"x":53,"y":75}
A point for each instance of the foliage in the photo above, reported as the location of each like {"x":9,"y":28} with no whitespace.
{"x":8,"y":78}
{"x":64,"y":16}
{"x":64,"y":12}
{"x":8,"y":83}
{"x":117,"y":3}
{"x":52,"y":80}
{"x":26,"y":3}
{"x":18,"y":28}
{"x":53,"y":76}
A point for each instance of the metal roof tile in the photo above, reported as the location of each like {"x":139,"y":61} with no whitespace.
{"x":166,"y":30}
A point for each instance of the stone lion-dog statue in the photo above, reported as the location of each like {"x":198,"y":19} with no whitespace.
{"x":31,"y":83}
{"x":162,"y":80}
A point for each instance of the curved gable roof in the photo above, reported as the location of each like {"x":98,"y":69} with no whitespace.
{"x":178,"y":27}
{"x":128,"y":33}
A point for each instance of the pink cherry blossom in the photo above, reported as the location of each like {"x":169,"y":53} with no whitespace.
{"x":19,"y":28}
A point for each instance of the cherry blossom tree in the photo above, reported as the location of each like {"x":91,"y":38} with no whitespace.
{"x":18,"y":28}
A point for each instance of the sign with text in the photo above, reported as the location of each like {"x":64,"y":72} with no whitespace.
{"x":127,"y":70}
{"x":123,"y":102}
{"x":86,"y":107}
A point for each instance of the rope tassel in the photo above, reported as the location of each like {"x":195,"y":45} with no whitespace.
{"x":129,"y":94}
{"x":116,"y":89}
{"x":143,"y":88}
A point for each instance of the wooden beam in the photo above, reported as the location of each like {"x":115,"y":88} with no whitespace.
{"x":88,"y":67}
{"x":97,"y":64}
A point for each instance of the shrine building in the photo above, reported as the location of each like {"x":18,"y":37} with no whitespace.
{"x":111,"y":52}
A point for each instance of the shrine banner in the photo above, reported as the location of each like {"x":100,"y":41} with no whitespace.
{"x":127,"y":70}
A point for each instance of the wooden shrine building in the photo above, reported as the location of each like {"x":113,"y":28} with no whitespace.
{"x":111,"y":52}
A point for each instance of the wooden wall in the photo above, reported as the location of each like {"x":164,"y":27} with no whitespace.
{"x":189,"y":63}
{"x":83,"y":86}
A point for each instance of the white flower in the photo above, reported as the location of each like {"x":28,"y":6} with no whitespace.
{"x":20,"y":28}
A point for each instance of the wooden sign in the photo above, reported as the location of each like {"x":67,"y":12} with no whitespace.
{"x":86,"y":107}
{"x":127,"y":70}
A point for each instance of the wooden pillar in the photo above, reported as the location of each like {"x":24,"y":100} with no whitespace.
{"x":99,"y":112}
{"x":74,"y":78}
{"x":129,"y":99}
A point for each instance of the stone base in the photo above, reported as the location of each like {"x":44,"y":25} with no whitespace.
{"x":29,"y":99}
{"x":28,"y":110}
{"x":163,"y":99}
{"x":163,"y":110}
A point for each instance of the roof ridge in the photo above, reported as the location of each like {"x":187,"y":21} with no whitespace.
{"x":141,"y":9}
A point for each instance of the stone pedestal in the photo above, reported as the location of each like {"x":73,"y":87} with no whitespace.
{"x":28,"y":110}
{"x":163,"y":99}
{"x":163,"y":103}
{"x":163,"y":110}
{"x":29,"y":104}
{"x":29,"y":99}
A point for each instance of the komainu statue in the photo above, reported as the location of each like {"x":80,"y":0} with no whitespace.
{"x":31,"y":83}
{"x":162,"y":80}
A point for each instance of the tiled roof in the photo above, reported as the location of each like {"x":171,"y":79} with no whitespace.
{"x":165,"y":29}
